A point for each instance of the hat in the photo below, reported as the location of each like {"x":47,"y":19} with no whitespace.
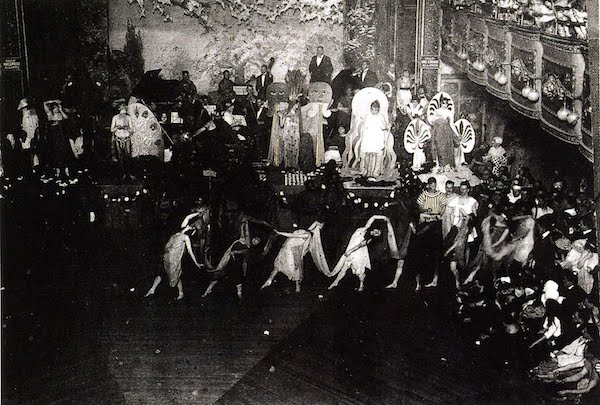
{"x":498,"y":140}
{"x":22,"y":104}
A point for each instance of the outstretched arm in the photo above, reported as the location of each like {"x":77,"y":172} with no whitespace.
{"x":293,"y":235}
{"x":187,"y":219}
{"x":188,"y":245}
{"x":375,"y":218}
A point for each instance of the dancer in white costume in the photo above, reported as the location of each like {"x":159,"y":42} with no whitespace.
{"x":356,"y":256}
{"x":290,"y":259}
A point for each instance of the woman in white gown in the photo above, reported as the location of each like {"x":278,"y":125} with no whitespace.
{"x":290,"y":259}
{"x":356,"y":256}
{"x":374,"y":138}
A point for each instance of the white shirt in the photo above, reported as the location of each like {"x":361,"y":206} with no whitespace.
{"x":319,"y":60}
{"x":364,"y":74}
{"x":263,"y":77}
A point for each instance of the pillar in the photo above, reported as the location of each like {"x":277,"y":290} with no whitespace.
{"x":427,"y":52}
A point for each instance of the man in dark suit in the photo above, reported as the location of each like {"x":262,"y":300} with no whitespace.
{"x":263,"y":81}
{"x":320,"y":67}
{"x":367,"y":77}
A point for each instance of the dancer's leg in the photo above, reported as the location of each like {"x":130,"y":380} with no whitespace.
{"x":454,"y":270}
{"x":155,"y":284}
{"x":339,"y":278}
{"x":179,"y":290}
{"x":209,"y":288}
{"x":435,"y":278}
{"x":471,"y":276}
{"x":270,"y":279}
{"x":361,"y":279}
{"x":297,"y":286}
{"x":238,"y":288}
{"x":399,"y":269}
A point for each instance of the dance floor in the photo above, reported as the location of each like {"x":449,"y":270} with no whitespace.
{"x":76,"y":329}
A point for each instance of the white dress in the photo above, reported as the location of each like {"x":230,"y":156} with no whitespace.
{"x":373,"y":136}
{"x":359,"y":260}
{"x":290,"y":259}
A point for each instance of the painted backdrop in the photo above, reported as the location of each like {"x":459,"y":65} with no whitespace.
{"x":185,"y":44}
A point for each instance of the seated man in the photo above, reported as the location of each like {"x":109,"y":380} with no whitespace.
{"x":225,"y":89}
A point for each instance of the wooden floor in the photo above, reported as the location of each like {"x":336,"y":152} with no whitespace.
{"x":79,"y":331}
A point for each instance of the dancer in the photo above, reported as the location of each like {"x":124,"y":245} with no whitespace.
{"x":233,"y":265}
{"x":356,"y":256}
{"x":59,"y":141}
{"x":290,"y":259}
{"x":174,"y":250}
{"x":457,"y":227}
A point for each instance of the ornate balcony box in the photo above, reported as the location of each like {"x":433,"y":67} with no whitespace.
{"x":563,"y":67}
{"x":477,"y":49}
{"x":498,"y":59}
{"x":526,"y":68}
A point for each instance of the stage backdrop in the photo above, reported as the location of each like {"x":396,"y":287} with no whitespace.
{"x":185,"y":44}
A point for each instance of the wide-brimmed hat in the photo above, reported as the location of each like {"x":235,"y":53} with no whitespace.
{"x":22,"y":104}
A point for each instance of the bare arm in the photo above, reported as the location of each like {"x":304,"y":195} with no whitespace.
{"x":502,"y":238}
{"x":375,"y":218}
{"x":293,"y":235}
{"x":113,"y":125}
{"x":575,"y":377}
{"x":187,"y":219}
{"x":188,"y":245}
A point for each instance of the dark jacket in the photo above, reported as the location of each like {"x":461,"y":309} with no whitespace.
{"x":322,"y":72}
{"x":370,"y":79}
{"x":260,"y":89}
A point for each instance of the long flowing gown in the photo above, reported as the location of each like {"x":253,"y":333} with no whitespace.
{"x":290,"y":259}
{"x":442,"y":144}
{"x":275,"y":155}
{"x":172,"y":256}
{"x":291,"y":140}
{"x":372,"y":145}
{"x":312,"y":123}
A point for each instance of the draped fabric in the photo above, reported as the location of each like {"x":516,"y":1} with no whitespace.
{"x":146,"y":137}
{"x":372,"y":136}
{"x":442,"y":145}
{"x":290,"y":259}
{"x":275,"y":155}
{"x":174,"y":250}
{"x":357,"y":256}
{"x":315,"y":248}
{"x":312,"y":123}
{"x":291,"y":139}
{"x":227,"y":257}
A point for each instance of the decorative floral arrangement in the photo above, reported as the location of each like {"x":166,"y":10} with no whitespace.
{"x":553,"y":88}
{"x":519,"y":70}
{"x":330,"y":11}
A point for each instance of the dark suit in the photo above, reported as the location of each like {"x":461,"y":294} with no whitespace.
{"x":261,"y":89}
{"x":322,"y":72}
{"x":370,"y":79}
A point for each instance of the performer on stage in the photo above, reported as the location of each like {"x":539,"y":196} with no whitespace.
{"x":290,"y":259}
{"x":177,"y":245}
{"x":356,"y":257}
